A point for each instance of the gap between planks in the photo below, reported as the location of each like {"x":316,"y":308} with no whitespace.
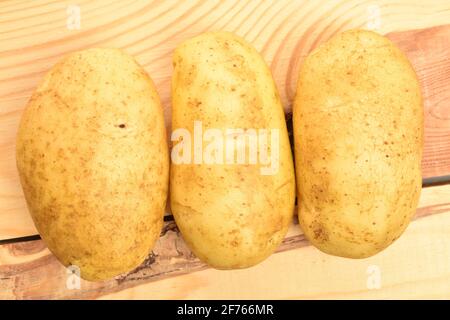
{"x":29,"y":271}
{"x":426,"y":183}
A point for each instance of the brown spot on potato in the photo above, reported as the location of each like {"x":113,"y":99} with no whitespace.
{"x":319,"y":232}
{"x":234,"y":243}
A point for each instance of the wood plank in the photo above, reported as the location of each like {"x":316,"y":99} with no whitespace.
{"x":33,"y":36}
{"x":29,"y":271}
{"x":432,"y":44}
{"x":415,"y":267}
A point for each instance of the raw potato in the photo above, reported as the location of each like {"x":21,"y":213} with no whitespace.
{"x":358,"y":131}
{"x":93,"y":161}
{"x":230,"y":215}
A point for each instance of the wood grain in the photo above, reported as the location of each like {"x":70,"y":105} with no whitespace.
{"x":29,"y":271}
{"x":421,"y":47}
{"x":415,"y":267}
{"x":34,"y":35}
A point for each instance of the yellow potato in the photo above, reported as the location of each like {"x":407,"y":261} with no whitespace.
{"x":231,"y":215}
{"x":93,"y":161}
{"x":358,"y":131}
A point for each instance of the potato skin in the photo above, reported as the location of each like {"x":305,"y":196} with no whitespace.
{"x":358,"y":131}
{"x":93,"y":161}
{"x":231,"y":216}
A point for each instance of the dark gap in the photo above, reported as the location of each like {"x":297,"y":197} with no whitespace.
{"x":435,"y":181}
{"x":21,"y":239}
{"x":168,"y":218}
{"x":427,"y":182}
{"x":290,"y":130}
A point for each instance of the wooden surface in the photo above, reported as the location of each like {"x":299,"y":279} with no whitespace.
{"x":34,"y":35}
{"x":29,"y":271}
{"x":305,"y":273}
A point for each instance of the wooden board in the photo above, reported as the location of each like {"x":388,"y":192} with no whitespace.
{"x":29,"y":271}
{"x":34,"y":35}
{"x":305,"y":273}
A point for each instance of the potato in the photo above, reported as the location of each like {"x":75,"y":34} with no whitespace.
{"x":358,"y":131}
{"x":232,"y":213}
{"x":93,"y":160}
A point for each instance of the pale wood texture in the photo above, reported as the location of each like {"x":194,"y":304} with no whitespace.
{"x":422,"y":47}
{"x":415,"y":267}
{"x":29,"y":271}
{"x":34,"y":35}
